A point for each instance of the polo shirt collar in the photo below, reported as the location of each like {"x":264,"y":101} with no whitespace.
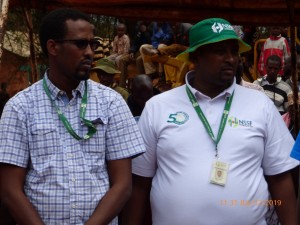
{"x":226,"y":93}
{"x":55,"y":92}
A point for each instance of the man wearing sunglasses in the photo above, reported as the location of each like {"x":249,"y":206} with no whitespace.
{"x":66,"y":142}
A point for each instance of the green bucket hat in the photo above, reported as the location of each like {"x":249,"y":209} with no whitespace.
{"x":106,"y":65}
{"x":210,"y":31}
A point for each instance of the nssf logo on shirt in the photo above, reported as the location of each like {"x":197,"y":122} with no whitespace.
{"x":235,"y":122}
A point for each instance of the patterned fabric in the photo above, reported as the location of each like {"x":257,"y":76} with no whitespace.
{"x":122,"y":91}
{"x":162,"y":33}
{"x":66,"y":178}
{"x":103,"y":50}
{"x":277,"y":92}
{"x":121,"y":45}
{"x":273,"y":46}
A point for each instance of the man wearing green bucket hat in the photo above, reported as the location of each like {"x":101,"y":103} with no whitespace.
{"x":106,"y":71}
{"x":215,"y":149}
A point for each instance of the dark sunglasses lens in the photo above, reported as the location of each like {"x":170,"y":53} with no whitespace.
{"x":82,"y":44}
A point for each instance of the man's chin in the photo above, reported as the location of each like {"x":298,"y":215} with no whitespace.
{"x":83,"y":76}
{"x":227,"y":82}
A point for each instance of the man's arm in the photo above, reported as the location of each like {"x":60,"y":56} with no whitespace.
{"x":281,"y":188}
{"x":120,"y":190}
{"x":12,"y":183}
{"x":135,"y":209}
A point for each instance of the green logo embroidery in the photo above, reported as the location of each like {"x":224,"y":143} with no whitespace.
{"x":178,"y":118}
{"x":234,"y":122}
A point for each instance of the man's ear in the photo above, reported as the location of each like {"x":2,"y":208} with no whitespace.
{"x":52,"y":47}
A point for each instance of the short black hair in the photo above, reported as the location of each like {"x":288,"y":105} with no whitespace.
{"x":53,"y":25}
{"x":275,"y":58}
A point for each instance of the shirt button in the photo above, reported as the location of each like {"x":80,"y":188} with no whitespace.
{"x":61,"y":92}
{"x":73,"y":179}
{"x":70,"y":155}
{"x":74,"y":206}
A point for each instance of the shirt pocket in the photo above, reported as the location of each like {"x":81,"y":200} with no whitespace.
{"x":94,"y":152}
{"x":44,"y":144}
{"x":98,"y":141}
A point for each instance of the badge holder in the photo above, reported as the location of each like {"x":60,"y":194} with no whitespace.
{"x":219,"y":173}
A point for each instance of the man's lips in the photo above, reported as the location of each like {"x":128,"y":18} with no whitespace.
{"x":227,"y":68}
{"x":86,"y":64}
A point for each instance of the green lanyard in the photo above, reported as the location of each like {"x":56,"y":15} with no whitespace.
{"x":91,"y":127}
{"x":204,"y":120}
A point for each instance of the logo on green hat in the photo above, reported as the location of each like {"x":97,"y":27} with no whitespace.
{"x":219,"y":27}
{"x":211,"y":31}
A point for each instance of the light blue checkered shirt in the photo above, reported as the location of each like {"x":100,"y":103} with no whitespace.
{"x":66,"y":178}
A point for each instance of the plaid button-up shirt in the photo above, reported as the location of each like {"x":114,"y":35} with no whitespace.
{"x":66,"y":178}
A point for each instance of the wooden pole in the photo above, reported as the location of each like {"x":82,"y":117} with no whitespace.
{"x":3,"y":18}
{"x":291,"y":11}
{"x":32,"y":56}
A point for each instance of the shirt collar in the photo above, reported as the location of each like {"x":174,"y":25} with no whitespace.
{"x":275,"y":37}
{"x":265,"y":81}
{"x":226,"y":93}
{"x":55,"y":92}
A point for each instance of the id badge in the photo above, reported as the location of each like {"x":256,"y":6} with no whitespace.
{"x":219,"y":173}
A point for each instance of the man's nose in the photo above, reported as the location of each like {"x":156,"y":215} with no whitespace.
{"x":89,"y":51}
{"x":230,"y":56}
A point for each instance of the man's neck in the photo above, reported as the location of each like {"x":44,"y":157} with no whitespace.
{"x":271,"y":80}
{"x":63,"y":84}
{"x":209,"y":90}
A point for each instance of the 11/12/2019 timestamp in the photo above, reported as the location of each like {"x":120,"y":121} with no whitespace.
{"x":243,"y":202}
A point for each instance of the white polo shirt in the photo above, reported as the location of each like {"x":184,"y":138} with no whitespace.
{"x":180,"y":154}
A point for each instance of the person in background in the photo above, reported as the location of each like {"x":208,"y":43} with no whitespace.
{"x":142,"y":91}
{"x":287,"y":76}
{"x":141,"y":37}
{"x":287,"y":73}
{"x":274,"y":87}
{"x":239,"y":79}
{"x":121,"y":45}
{"x":106,"y":71}
{"x":274,"y":45}
{"x":162,"y":35}
{"x":67,"y":142}
{"x":214,"y":149}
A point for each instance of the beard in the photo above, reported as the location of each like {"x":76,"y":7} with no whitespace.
{"x":83,"y":70}
{"x":82,"y":75}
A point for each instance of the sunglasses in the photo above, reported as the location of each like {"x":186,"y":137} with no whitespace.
{"x":82,"y":43}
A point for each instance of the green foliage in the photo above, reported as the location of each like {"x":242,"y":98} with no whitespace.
{"x":104,"y":26}
{"x":17,"y":28}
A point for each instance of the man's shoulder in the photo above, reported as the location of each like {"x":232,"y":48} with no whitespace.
{"x":258,"y":81}
{"x":284,"y":86}
{"x":173,"y":95}
{"x":26,"y":99}
{"x":255,"y":86}
{"x":102,"y":92}
{"x":31,"y":92}
{"x":118,"y":88}
{"x":252,"y":91}
{"x":125,"y":37}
